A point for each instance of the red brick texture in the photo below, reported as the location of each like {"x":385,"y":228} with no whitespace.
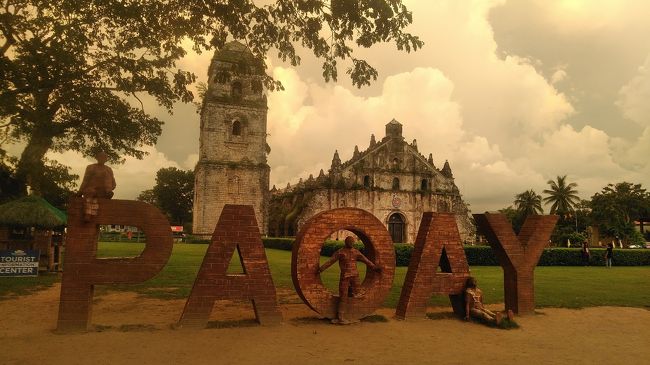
{"x":83,"y":270}
{"x":236,"y":229}
{"x":517,"y":255}
{"x":437,"y":244}
{"x":306,"y":255}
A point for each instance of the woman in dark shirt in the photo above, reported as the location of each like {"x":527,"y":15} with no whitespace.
{"x":609,"y":254}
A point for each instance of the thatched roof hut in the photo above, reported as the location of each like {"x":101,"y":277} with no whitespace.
{"x":31,"y":211}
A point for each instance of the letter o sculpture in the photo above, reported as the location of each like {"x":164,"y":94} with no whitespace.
{"x":306,"y":254}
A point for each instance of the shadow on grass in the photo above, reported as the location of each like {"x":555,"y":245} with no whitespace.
{"x":12,"y":288}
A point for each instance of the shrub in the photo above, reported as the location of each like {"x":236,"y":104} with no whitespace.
{"x":484,"y":256}
{"x":480,"y":256}
{"x":279,"y":243}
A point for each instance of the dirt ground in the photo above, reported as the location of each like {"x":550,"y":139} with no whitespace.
{"x":130,"y":329}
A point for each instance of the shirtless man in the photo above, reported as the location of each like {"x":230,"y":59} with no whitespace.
{"x":98,"y":183}
{"x":349,"y":279}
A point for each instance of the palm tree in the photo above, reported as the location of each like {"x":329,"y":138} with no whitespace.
{"x":562,"y":196}
{"x":528,"y":203}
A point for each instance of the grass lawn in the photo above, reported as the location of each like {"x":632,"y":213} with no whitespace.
{"x":564,"y":286}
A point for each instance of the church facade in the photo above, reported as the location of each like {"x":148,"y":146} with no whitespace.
{"x":232,"y":166}
{"x":390,"y":179}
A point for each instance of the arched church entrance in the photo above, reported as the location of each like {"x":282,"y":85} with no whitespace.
{"x":397,"y":228}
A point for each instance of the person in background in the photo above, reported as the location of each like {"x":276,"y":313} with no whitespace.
{"x":585,"y":253}
{"x":609,"y":254}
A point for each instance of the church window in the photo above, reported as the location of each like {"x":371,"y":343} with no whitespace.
{"x":395,"y":183}
{"x":396,"y":227}
{"x":395,"y":163}
{"x":424,"y":185}
{"x":236,"y":91}
{"x":366,"y":181}
{"x":236,"y":128}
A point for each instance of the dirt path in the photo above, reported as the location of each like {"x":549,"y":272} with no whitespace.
{"x":554,"y":336}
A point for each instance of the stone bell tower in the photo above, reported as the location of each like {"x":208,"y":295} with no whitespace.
{"x":232,"y":167}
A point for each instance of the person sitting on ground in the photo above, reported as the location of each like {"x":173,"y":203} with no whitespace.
{"x":474,"y":304}
{"x":349,"y":279}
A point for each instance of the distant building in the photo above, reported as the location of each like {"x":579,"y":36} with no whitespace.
{"x":391,"y":179}
{"x":232,"y":166}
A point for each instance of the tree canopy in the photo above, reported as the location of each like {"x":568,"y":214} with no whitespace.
{"x":615,"y":208}
{"x":562,"y":196}
{"x":528,"y":203}
{"x":71,"y":71}
{"x":173,"y":194}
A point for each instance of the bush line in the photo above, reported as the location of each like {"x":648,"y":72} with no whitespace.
{"x":484,"y":256}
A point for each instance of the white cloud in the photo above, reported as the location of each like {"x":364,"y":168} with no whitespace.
{"x":634,"y":96}
{"x":558,"y":76}
{"x":499,"y":121}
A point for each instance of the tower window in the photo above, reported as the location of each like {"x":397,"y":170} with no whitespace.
{"x":424,"y":185}
{"x":236,"y":128}
{"x":236,"y":91}
{"x":395,"y":183}
{"x":366,"y":181}
{"x":222,"y":77}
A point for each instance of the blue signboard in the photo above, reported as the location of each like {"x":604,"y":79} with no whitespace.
{"x":19,"y":262}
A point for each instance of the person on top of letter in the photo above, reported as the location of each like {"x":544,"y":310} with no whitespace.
{"x":98,"y":183}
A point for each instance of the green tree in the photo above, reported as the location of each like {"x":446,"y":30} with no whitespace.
{"x":528,"y":203}
{"x":617,"y":206}
{"x":173,"y":194}
{"x":148,"y":196}
{"x":58,"y":183}
{"x":71,"y":69}
{"x":515,"y":217}
{"x":562,"y":196}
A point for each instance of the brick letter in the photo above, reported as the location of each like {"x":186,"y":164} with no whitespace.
{"x":306,"y":255}
{"x":437,"y":244}
{"x":237,"y":229}
{"x":517,"y":255}
{"x":83,"y":270}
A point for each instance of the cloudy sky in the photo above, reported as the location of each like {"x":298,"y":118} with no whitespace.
{"x":512,"y":93}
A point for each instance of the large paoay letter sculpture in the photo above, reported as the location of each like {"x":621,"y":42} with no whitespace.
{"x":518,"y":255}
{"x":237,"y":229}
{"x":306,"y":254}
{"x":83,"y":269}
{"x":437,"y":244}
